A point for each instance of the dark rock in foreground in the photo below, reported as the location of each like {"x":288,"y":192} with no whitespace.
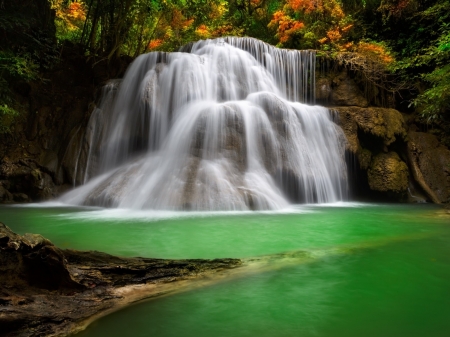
{"x":47,"y":291}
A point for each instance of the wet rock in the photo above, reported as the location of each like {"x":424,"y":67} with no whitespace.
{"x":33,"y":149}
{"x":388,"y":173}
{"x":5,"y":195}
{"x":323,"y":89}
{"x":338,"y":88}
{"x":74,"y":157}
{"x":27,"y":180}
{"x":291,"y":184}
{"x":430,"y":162}
{"x":43,"y":185}
{"x":345,"y":92}
{"x":21,"y":197}
{"x":50,"y":162}
{"x":415,"y":194}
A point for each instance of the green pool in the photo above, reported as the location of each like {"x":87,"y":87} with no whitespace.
{"x":376,"y":269}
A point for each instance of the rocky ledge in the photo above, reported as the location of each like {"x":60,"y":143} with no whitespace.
{"x":47,"y":291}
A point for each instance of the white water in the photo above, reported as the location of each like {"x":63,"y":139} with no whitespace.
{"x":219,"y":128}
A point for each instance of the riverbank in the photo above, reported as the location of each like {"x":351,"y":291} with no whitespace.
{"x":47,"y":291}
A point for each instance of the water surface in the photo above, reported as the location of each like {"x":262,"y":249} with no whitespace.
{"x":377,"y":270}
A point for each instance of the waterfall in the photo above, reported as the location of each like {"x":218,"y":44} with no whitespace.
{"x":216,"y":126}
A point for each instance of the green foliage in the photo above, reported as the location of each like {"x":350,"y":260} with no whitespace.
{"x":403,"y":41}
{"x":13,"y":68}
{"x":110,"y":28}
{"x":7,"y":113}
{"x":7,"y":116}
{"x":18,"y":66}
{"x":434,"y":102}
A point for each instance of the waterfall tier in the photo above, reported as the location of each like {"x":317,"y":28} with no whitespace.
{"x":218,"y":126}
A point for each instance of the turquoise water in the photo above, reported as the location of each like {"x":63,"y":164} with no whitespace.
{"x":392,"y":278}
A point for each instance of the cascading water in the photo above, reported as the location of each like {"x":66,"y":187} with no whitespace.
{"x":217,"y":126}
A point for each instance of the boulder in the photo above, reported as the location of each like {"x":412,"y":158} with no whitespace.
{"x":33,"y":261}
{"x":378,"y":128}
{"x":388,"y":173}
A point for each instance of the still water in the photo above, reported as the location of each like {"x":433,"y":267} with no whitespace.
{"x":390,"y":278}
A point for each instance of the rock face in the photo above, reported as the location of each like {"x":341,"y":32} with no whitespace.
{"x":48,"y":291}
{"x":50,"y":111}
{"x":338,"y":89}
{"x":38,"y":157}
{"x":379,"y":142}
{"x":378,"y":139}
{"x":373,"y":135}
{"x":430,"y":163}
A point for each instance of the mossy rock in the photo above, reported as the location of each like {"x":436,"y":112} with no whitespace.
{"x":384,"y":125}
{"x":388,"y":173}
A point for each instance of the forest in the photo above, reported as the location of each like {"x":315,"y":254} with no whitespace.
{"x":402,"y":46}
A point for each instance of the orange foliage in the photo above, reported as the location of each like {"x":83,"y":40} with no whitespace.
{"x":179,"y":21}
{"x":374,"y":50}
{"x":346,"y":28}
{"x":76,"y":11}
{"x":202,"y":31}
{"x":347,"y":46}
{"x":332,"y":26}
{"x":222,"y":31}
{"x":304,"y":5}
{"x":334,"y":34}
{"x":330,"y":8}
{"x":73,"y":15}
{"x":286,"y":26}
{"x":154,"y":44}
